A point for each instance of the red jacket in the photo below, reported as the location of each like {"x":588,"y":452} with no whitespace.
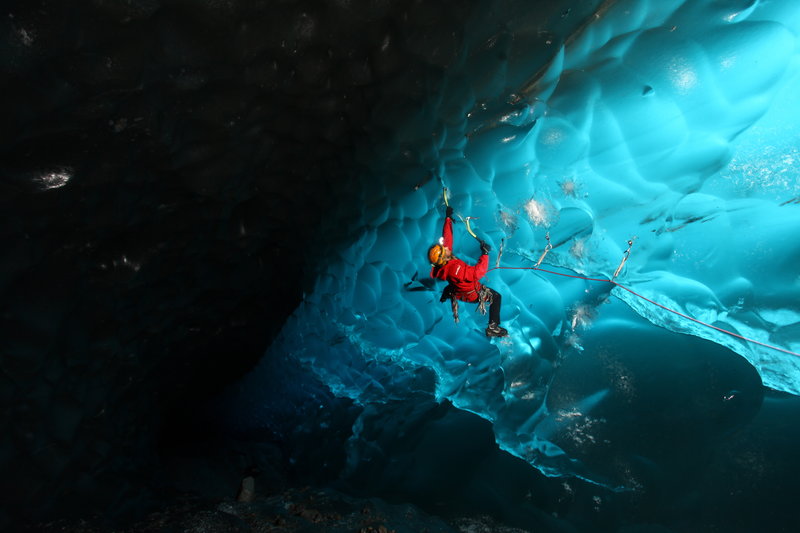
{"x":463,"y":277}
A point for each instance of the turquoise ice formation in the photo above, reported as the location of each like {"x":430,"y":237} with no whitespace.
{"x":672,"y":124}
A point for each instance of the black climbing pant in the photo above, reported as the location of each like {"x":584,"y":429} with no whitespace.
{"x":494,"y":307}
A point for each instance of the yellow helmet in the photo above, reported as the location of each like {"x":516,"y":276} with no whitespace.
{"x":436,"y":255}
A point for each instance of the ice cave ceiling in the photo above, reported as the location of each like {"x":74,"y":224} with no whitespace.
{"x":184,"y":183}
{"x":629,"y":143}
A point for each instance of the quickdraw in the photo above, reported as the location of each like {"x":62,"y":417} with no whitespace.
{"x":500,"y":252}
{"x":547,"y":248}
{"x":625,"y":257}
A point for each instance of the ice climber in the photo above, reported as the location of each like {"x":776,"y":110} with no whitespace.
{"x":462,"y":279}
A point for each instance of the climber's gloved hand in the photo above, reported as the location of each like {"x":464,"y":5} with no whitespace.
{"x":484,"y":248}
{"x":449,"y":212}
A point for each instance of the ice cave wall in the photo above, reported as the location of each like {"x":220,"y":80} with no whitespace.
{"x":641,"y":126}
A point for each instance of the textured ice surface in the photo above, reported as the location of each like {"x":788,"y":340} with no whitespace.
{"x":666,"y":122}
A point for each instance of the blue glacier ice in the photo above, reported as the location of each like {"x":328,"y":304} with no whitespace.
{"x":662,"y":131}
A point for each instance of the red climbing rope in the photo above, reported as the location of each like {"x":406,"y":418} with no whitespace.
{"x":611,"y":281}
{"x":625,"y":257}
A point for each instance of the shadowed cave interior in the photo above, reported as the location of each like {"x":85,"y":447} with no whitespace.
{"x":216,"y":216}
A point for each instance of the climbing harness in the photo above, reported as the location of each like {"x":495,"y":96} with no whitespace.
{"x":484,"y":299}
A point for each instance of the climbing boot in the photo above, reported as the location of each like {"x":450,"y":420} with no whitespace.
{"x":494,"y":330}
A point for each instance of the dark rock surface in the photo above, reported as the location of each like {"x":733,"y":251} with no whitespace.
{"x":167,"y":167}
{"x":293,"y":511}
